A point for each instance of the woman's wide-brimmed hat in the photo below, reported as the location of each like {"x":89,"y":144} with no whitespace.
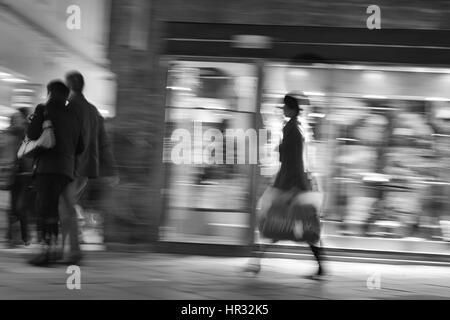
{"x":296,"y":100}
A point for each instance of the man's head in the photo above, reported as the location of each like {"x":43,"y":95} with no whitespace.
{"x":57,"y":90}
{"x":75,"y":81}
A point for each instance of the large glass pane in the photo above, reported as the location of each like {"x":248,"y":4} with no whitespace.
{"x":378,"y":140}
{"x":209,"y":104}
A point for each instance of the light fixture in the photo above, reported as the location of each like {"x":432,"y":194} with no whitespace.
{"x":437,"y":99}
{"x":440,"y":135}
{"x":24,"y":90}
{"x":298,"y":73}
{"x":351,"y":67}
{"x":274,"y":95}
{"x":316,"y":115}
{"x":375,"y":177}
{"x":370,"y":96}
{"x":443,"y":113}
{"x":19,"y":105}
{"x":179,"y":88}
{"x":373,"y":75}
{"x":429,"y":70}
{"x":314,"y":93}
{"x":5,"y":75}
{"x":15,"y":80}
{"x":421,"y":70}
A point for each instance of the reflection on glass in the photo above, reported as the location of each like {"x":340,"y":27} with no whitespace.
{"x":381,"y":143}
{"x":208,"y":194}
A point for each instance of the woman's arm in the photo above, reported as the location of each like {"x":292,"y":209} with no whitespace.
{"x":35,"y":127}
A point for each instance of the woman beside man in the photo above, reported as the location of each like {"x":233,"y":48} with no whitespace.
{"x":53,"y":168}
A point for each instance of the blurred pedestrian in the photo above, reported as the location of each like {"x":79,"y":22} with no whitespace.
{"x":54,"y":168}
{"x":20,"y":179}
{"x":290,"y":196}
{"x":96,"y":160}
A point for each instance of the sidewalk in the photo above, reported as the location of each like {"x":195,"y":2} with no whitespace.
{"x":106,"y":275}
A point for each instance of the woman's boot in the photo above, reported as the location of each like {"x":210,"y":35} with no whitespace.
{"x":318,"y":254}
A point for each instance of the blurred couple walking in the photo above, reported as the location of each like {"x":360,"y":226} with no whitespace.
{"x":77,"y":151}
{"x":290,"y":209}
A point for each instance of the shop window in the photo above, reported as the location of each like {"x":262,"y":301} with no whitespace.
{"x":208,"y":188}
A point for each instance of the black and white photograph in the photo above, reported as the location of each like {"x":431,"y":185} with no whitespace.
{"x":228,"y":155}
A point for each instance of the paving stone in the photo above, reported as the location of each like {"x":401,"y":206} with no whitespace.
{"x":155,"y":276}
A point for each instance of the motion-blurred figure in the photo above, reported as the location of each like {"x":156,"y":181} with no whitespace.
{"x":291,"y":182}
{"x":96,"y":160}
{"x":54,"y":167}
{"x":21,"y":205}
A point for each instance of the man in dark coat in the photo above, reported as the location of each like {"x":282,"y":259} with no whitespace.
{"x":54,"y":168}
{"x":96,"y":160}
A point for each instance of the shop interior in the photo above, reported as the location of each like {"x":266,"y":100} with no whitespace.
{"x":378,"y":143}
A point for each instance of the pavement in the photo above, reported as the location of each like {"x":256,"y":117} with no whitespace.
{"x":154,"y":276}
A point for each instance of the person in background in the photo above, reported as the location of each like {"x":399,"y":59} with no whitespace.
{"x":95,"y":161}
{"x":20,"y":210}
{"x":54,"y":168}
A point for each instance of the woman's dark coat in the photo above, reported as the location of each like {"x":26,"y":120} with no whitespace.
{"x":292,"y":172}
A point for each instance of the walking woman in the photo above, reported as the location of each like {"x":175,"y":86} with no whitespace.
{"x":287,"y":195}
{"x":54,"y":168}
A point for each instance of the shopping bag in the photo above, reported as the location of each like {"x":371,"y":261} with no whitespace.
{"x":305,"y":210}
{"x":292,"y":215}
{"x":274,"y":222}
{"x":29,"y":148}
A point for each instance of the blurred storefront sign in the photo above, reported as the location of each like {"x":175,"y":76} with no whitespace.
{"x":375,"y":128}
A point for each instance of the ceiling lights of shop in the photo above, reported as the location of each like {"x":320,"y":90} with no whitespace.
{"x":24,"y":90}
{"x":359,"y":96}
{"x":375,"y":177}
{"x":437,"y":99}
{"x":7,"y":76}
{"x":15,"y":80}
{"x":179,"y":88}
{"x":373,"y":75}
{"x":300,"y":73}
{"x":316,"y":115}
{"x":314,"y":93}
{"x":370,"y":96}
{"x":387,"y":68}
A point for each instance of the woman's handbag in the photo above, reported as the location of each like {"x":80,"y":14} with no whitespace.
{"x":291,"y":215}
{"x":305,"y":209}
{"x":30,"y":148}
{"x":275,"y":223}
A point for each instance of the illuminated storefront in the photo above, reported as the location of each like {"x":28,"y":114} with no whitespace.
{"x":379,"y":143}
{"x":377,"y":129}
